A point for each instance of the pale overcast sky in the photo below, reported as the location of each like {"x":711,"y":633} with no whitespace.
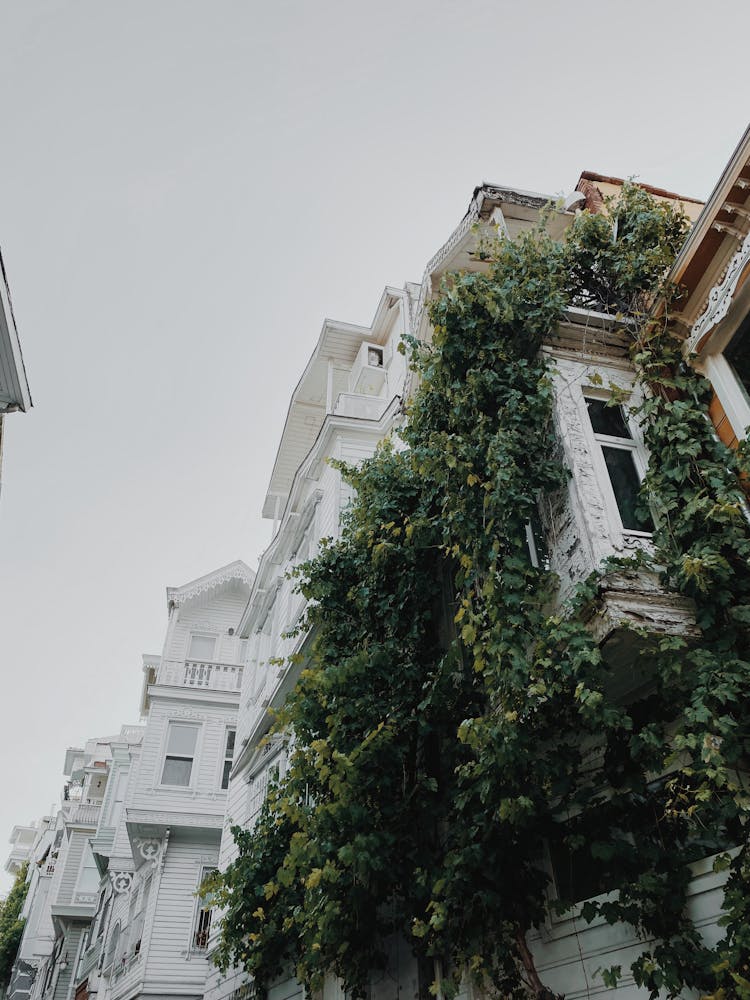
{"x":186,"y":190}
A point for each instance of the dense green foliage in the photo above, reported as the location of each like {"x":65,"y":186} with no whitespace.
{"x":453,"y":724}
{"x":11,"y":925}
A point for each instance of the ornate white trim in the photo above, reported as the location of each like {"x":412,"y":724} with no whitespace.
{"x":122,"y":882}
{"x":177,"y":596}
{"x":720,"y":297}
{"x":150,"y":849}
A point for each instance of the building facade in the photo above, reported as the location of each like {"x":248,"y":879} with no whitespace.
{"x":161,"y":823}
{"x":592,"y":520}
{"x":116,"y":909}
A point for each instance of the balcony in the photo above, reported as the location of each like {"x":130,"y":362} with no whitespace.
{"x":203,"y":674}
{"x":355,"y":404}
{"x":83,"y":813}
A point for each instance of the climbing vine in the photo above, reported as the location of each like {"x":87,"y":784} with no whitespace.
{"x":12,"y":924}
{"x":454,"y":725}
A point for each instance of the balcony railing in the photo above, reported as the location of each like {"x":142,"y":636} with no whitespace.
{"x":87,"y":814}
{"x":355,"y":404}
{"x":201,"y":674}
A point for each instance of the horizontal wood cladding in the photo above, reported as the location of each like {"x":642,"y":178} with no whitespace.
{"x":73,"y":934}
{"x":215,"y":617}
{"x":170,"y":956}
{"x":204,"y":794}
{"x":71,"y":868}
{"x":720,"y":420}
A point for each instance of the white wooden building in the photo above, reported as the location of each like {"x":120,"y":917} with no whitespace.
{"x":163,"y":814}
{"x":63,"y":877}
{"x":349,"y":397}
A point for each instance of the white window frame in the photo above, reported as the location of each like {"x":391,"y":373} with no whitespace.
{"x":223,"y":759}
{"x":139,"y":917}
{"x":275,"y":759}
{"x":213,"y":636}
{"x":634,"y":445}
{"x":711,"y":362}
{"x":164,"y":753}
{"x":204,"y":871}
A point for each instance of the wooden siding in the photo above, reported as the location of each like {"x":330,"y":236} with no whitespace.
{"x":215,"y":617}
{"x":170,"y":957}
{"x":204,"y":795}
{"x":720,"y":420}
{"x":62,"y":982}
{"x":72,"y":865}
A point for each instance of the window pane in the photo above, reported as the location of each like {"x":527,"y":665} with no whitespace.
{"x":577,"y":875}
{"x":225,"y":774}
{"x":229,"y":752}
{"x":607,"y":419}
{"x":181,"y":739}
{"x":626,"y":484}
{"x":176,"y":771}
{"x":202,"y":647}
{"x":738,"y":355}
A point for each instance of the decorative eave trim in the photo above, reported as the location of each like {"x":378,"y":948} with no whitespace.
{"x":236,"y":571}
{"x":719,"y":298}
{"x":717,"y":198}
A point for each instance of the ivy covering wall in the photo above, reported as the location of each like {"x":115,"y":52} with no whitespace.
{"x":453,"y":725}
{"x":11,"y":925}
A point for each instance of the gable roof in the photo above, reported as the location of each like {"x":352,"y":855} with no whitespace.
{"x":234,"y":572}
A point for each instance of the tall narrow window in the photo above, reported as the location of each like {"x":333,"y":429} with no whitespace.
{"x":228,"y":757}
{"x":737,"y":353}
{"x":178,"y":761}
{"x":619,"y":451}
{"x":203,"y":915}
{"x":140,"y":916}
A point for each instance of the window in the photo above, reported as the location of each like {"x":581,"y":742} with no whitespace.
{"x":576,"y":875}
{"x":178,"y":762}
{"x":104,"y":903}
{"x":228,"y":756}
{"x":737,"y":354}
{"x":113,"y":948}
{"x":536,"y":542}
{"x":622,"y":461}
{"x":203,"y":914}
{"x":202,"y":647}
{"x":136,"y":933}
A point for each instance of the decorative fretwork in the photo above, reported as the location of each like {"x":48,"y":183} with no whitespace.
{"x":122,"y":882}
{"x":720,"y":297}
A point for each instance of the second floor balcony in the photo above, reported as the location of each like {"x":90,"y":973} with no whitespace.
{"x":82,"y":813}
{"x":205,"y":674}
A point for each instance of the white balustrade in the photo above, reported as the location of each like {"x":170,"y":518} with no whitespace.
{"x":201,"y":674}
{"x":355,"y":404}
{"x":86,"y":814}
